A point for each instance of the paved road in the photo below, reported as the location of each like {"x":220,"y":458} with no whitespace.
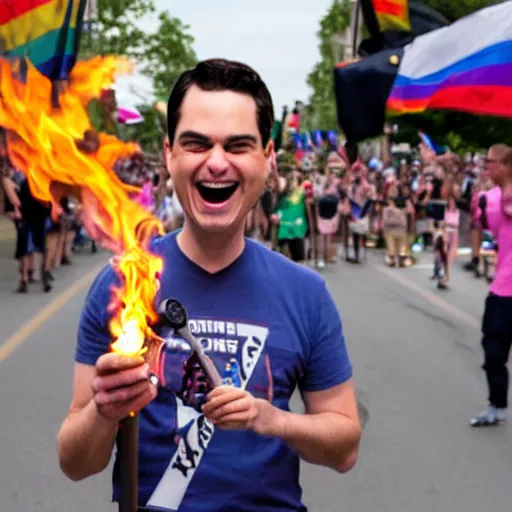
{"x":417,"y":368}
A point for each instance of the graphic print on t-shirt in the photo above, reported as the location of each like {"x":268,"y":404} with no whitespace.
{"x":230,"y":344}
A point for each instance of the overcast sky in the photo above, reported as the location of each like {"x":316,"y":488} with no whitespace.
{"x":276,"y":37}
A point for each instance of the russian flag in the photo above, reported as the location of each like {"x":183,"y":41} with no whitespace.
{"x":466,"y":66}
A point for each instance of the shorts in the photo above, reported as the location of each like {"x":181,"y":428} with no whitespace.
{"x":29,"y":239}
{"x":436,"y":210}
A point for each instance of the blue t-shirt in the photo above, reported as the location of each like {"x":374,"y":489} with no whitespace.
{"x":277,"y":325}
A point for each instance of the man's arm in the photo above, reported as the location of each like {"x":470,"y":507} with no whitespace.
{"x":86,"y":439}
{"x":329,"y":433}
{"x":106,"y":388}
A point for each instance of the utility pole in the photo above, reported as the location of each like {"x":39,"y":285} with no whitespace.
{"x":344,"y":44}
{"x":355,"y":30}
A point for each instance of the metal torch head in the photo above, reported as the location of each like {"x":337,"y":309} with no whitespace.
{"x":173,"y":313}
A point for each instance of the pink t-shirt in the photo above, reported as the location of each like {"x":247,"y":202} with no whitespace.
{"x":452,"y":218}
{"x":501,"y":226}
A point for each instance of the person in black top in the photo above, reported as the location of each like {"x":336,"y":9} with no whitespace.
{"x":31,"y":234}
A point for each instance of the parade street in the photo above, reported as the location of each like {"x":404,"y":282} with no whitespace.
{"x":416,"y":356}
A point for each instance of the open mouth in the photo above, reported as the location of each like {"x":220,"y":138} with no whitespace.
{"x":216,"y":191}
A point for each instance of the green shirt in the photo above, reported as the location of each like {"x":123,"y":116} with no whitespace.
{"x":291,"y":210}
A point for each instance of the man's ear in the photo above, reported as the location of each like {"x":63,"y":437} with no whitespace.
{"x":270,"y":155}
{"x":167,"y":153}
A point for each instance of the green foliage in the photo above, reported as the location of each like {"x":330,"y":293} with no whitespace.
{"x":168,"y":52}
{"x":322,"y":105}
{"x":115,"y":30}
{"x":460,"y":131}
{"x":454,"y":9}
{"x":161,"y":55}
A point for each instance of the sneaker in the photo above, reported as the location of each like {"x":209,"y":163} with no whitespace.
{"x":320,"y":265}
{"x":23,"y":287}
{"x":470,"y":266}
{"x":491,"y":417}
{"x":47,"y":287}
{"x":390,"y":261}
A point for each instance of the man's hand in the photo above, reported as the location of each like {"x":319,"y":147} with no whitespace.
{"x":233,"y":408}
{"x":121,"y":386}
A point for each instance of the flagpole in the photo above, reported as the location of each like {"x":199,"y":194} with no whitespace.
{"x":355,"y":27}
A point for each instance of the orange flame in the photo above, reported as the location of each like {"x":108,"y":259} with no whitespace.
{"x":44,"y":142}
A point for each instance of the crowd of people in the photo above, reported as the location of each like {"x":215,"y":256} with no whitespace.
{"x":46,"y":235}
{"x":424,"y":201}
{"x":308,"y":210}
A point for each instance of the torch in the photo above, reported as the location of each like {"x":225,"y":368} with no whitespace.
{"x":173,"y":315}
{"x":128,"y":453}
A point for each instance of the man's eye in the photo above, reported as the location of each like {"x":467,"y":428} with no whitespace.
{"x":195,"y":145}
{"x":238,"y":148}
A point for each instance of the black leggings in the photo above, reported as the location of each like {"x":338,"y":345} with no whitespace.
{"x":295,"y":247}
{"x":496,"y":342}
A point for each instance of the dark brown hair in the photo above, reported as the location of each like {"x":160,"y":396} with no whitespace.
{"x":223,"y":75}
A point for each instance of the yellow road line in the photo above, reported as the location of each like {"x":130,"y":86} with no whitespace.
{"x":15,"y":341}
{"x":434,"y":299}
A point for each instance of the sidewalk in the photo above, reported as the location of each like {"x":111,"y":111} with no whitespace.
{"x":7,"y":232}
{"x":8,"y":265}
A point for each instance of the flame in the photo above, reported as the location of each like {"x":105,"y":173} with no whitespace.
{"x":60,"y":155}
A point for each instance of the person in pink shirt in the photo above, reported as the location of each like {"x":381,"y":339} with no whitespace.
{"x":328,"y":216}
{"x":449,"y":239}
{"x":496,"y":215}
{"x":146,"y":198}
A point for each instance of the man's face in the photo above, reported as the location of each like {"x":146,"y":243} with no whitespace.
{"x":494,"y":167}
{"x":217,"y":163}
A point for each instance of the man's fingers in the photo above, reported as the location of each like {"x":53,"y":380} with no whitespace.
{"x":121,"y":395}
{"x":119,"y":410}
{"x":144,"y":399}
{"x":220,"y":401}
{"x":240,"y":419}
{"x":110,"y":363}
{"x":216,"y":412}
{"x":223,"y":394}
{"x":119,"y":379}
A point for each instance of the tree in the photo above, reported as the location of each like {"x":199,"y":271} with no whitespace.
{"x":161,"y":55}
{"x":168,"y":52}
{"x":114,"y":30}
{"x":452,"y":10}
{"x":322,"y":103}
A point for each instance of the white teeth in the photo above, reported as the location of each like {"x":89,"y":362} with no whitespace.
{"x":217,"y":184}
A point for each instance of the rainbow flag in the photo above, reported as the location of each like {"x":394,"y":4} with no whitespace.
{"x":392,"y":14}
{"x":46,"y":32}
{"x":466,"y":66}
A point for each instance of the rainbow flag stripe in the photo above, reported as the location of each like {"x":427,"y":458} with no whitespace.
{"x":392,"y":14}
{"x":44,"y":31}
{"x":466,"y":66}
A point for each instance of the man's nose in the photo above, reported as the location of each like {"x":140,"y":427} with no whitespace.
{"x":217,"y":161}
